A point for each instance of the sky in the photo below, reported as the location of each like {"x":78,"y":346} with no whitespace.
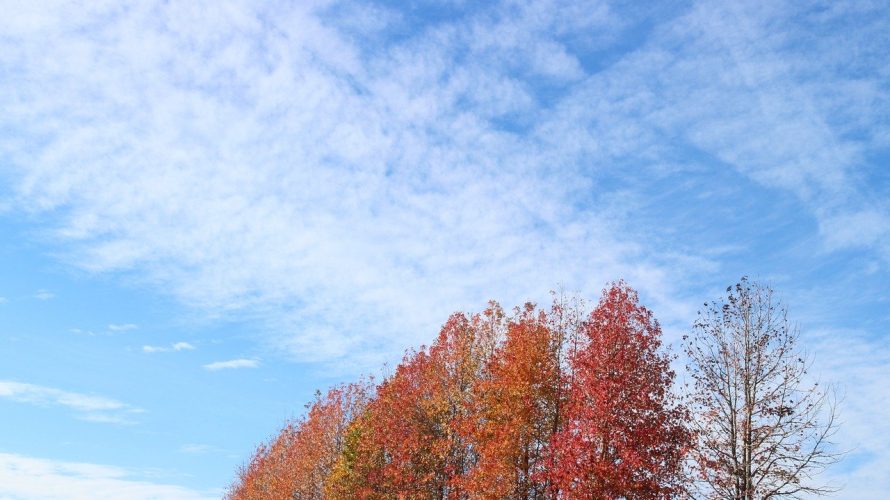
{"x":209,"y":210}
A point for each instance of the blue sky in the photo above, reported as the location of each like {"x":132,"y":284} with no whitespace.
{"x":208,"y":210}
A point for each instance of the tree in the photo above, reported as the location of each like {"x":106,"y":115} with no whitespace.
{"x":357,"y":471}
{"x":398,"y":434}
{"x":297,"y":462}
{"x":763,"y":429}
{"x":266,"y":476}
{"x":622,"y":436}
{"x":321,"y":437}
{"x":514,"y":411}
{"x":408,"y":442}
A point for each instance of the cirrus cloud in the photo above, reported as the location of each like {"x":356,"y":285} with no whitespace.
{"x":85,"y":406}
{"x":231,"y":364}
{"x":24,"y":477}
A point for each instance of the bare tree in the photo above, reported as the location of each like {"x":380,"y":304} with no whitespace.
{"x":763,"y":429}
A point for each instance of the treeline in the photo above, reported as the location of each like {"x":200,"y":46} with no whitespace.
{"x":564,"y":403}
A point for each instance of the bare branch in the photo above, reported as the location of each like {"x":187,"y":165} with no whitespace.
{"x":762,"y":431}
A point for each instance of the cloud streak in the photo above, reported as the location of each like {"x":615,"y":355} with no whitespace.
{"x":125,"y":327}
{"x":231,"y":364}
{"x":178,"y":346}
{"x":85,"y":406}
{"x":23,"y":477}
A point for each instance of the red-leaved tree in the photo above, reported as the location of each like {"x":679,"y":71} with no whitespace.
{"x":622,"y":434}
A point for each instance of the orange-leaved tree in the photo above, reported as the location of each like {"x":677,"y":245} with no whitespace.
{"x":297,"y":462}
{"x":514,"y":411}
{"x":407,"y":443}
{"x":266,"y":476}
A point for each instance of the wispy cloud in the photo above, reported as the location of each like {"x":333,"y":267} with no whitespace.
{"x":353,"y":220}
{"x":231,"y":364}
{"x":44,"y":295}
{"x":24,"y":477}
{"x":784,"y":111}
{"x":356,"y":205}
{"x":178,"y":346}
{"x":85,"y":406}
{"x":124,"y":327}
{"x":858,"y":364}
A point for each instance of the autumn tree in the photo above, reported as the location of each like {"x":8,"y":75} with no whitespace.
{"x":408,"y":443}
{"x":266,"y":476}
{"x":296,"y":463}
{"x":514,"y":411}
{"x":622,"y":434}
{"x":358,"y":470}
{"x":763,"y":428}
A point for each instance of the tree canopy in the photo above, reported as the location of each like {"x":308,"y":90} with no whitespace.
{"x":555,"y":402}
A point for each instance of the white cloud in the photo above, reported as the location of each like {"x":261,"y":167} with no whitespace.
{"x":351,"y":200}
{"x":43,"y":295}
{"x":183,"y":346}
{"x":178,"y":346}
{"x":85,"y":406}
{"x":126,"y":327}
{"x":755,"y":86}
{"x":354,"y":199}
{"x":858,"y":364}
{"x":3,"y":300}
{"x":23,"y":477}
{"x":864,"y":228}
{"x":231,"y":364}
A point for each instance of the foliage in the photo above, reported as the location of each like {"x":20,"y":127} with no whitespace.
{"x":515,"y":411}
{"x":623,"y":436}
{"x":297,"y":462}
{"x":554,"y":403}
